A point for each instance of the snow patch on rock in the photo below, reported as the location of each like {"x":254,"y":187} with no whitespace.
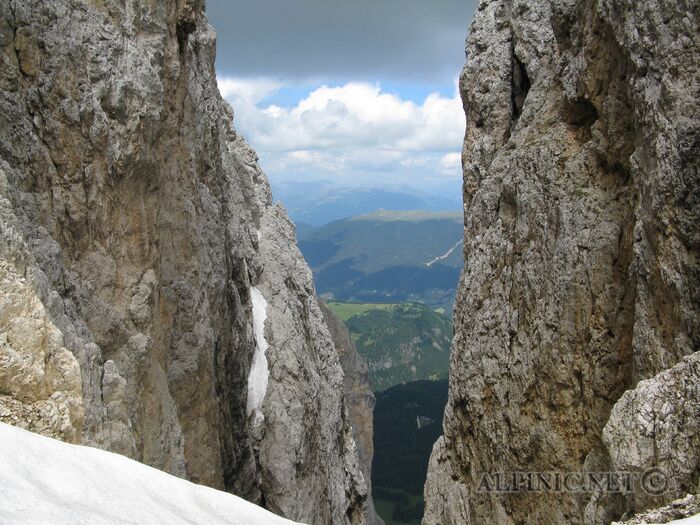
{"x":259,"y":371}
{"x":445,"y":255}
{"x":47,"y":481}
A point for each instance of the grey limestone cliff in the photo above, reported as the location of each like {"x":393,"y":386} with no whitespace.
{"x":359,"y":399}
{"x":136,"y":231}
{"x":578,"y":311}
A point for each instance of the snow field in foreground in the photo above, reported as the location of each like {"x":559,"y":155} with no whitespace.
{"x":44,"y":481}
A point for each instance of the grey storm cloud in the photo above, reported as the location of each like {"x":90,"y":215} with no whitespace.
{"x":400,"y":40}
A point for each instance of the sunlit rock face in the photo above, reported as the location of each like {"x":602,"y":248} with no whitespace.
{"x":581,"y":279}
{"x":135,"y":223}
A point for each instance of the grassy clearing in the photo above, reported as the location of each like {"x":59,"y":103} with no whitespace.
{"x":345,"y":311}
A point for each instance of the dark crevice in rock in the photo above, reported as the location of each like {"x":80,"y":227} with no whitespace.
{"x":184,"y":29}
{"x":520,"y":85}
{"x":507,"y":205}
{"x":580,"y":112}
{"x":563,"y":23}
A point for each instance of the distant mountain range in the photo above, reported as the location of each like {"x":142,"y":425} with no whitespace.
{"x":387,"y":256}
{"x":320,"y":202}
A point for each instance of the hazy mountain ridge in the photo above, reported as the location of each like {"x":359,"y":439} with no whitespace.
{"x":387,"y":256}
{"x":320,"y":202}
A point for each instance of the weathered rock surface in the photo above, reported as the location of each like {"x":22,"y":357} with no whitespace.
{"x":582,"y":266}
{"x":40,"y":386}
{"x":134,"y":223}
{"x":680,"y":509}
{"x":657,"y":426}
{"x":359,"y":400}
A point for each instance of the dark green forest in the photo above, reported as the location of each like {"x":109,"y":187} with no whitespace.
{"x":402,"y":449}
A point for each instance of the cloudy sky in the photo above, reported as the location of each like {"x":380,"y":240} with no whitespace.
{"x":355,"y":91}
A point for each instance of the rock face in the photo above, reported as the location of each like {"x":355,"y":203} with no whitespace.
{"x":135,"y":222}
{"x":657,"y":426}
{"x":582,"y":267}
{"x":359,"y":400}
{"x":678,"y":510}
{"x":40,"y":385}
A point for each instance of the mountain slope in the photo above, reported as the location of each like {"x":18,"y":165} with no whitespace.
{"x":46,"y":481}
{"x":359,"y":401}
{"x":387,"y":257}
{"x":401,"y":342}
{"x":407,"y":420}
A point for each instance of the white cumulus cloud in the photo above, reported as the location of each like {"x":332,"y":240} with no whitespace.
{"x":451,"y":164}
{"x":251,"y":91}
{"x":353,"y":132}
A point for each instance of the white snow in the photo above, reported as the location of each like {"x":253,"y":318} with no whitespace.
{"x":44,"y":481}
{"x":445,"y":255}
{"x":693,"y":520}
{"x":259,"y":372}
